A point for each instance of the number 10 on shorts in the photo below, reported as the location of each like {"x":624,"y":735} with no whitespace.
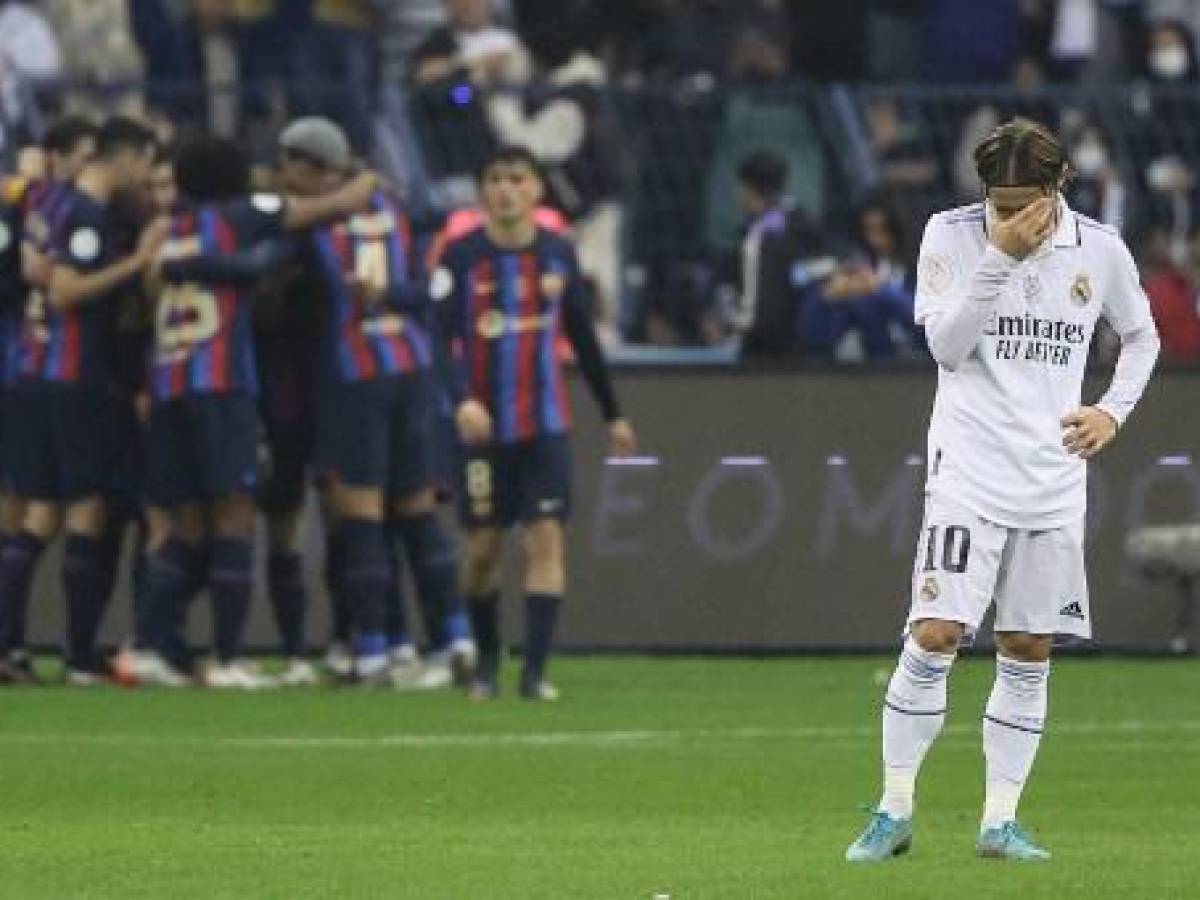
{"x":955,"y":542}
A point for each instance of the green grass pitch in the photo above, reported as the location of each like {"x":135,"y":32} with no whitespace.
{"x":684,"y":778}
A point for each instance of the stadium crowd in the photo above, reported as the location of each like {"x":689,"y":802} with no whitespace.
{"x":643,"y":112}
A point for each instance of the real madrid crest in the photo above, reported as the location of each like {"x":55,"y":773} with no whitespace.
{"x":930,"y":590}
{"x":1081,"y":290}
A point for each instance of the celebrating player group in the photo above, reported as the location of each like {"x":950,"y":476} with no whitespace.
{"x":186,"y":347}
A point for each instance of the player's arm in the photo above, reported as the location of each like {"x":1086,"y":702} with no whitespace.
{"x":954,"y":322}
{"x":305,"y":212}
{"x":70,"y":285}
{"x":241,"y":267}
{"x":578,"y":327}
{"x":447,"y":290}
{"x":1089,"y":429}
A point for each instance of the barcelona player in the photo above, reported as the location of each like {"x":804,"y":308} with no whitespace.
{"x":506,"y":291}
{"x":203,"y":440}
{"x":375,"y":411}
{"x":67,"y":441}
{"x":65,"y":149}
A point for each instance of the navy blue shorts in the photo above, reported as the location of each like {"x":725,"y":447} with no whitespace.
{"x":202,"y":448}
{"x":63,"y":441}
{"x":378,"y":434}
{"x":286,"y":405}
{"x":503,"y":484}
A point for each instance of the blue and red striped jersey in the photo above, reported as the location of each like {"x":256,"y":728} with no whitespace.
{"x":505,"y":309}
{"x":67,"y":346}
{"x":377,"y":316}
{"x":203,"y":324}
{"x":15,"y":197}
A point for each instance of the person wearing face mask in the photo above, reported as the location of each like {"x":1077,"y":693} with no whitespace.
{"x":1095,"y":188}
{"x":1170,"y":54}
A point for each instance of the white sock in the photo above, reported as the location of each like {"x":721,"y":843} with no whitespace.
{"x":1012,"y":730}
{"x":367,"y":666}
{"x":914,"y":709}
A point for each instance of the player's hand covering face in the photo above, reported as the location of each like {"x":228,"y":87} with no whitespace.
{"x":1088,"y":430}
{"x":1020,"y":219}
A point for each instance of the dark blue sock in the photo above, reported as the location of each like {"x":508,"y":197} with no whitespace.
{"x":85,"y":583}
{"x":396,"y":617}
{"x":285,"y":580}
{"x":231,"y":581}
{"x":365,"y":583}
{"x":166,"y":579}
{"x":168,"y":573}
{"x":541,"y":614}
{"x":434,"y":560}
{"x":485,"y":620}
{"x":17,"y":565}
{"x":335,"y":572}
{"x":141,"y":562}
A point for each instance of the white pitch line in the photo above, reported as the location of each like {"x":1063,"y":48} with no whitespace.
{"x":626,"y":738}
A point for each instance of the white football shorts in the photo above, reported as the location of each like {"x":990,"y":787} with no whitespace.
{"x":965,"y":563}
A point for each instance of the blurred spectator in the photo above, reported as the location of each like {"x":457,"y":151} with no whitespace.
{"x":471,"y":46}
{"x":207,"y":71}
{"x":449,"y":69}
{"x":99,"y":51}
{"x":864,"y":311}
{"x":1182,"y":12}
{"x":782,"y":251}
{"x":334,"y":65}
{"x":1170,"y":54}
{"x":1173,"y":203}
{"x":1173,"y":290}
{"x":1095,"y":188}
{"x":404,"y":26}
{"x":907,"y":165}
{"x":762,"y":111}
{"x":663,"y":40}
{"x":563,"y":118}
{"x":29,"y":52}
{"x":1092,"y":40}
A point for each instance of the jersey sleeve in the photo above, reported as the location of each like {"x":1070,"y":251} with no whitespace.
{"x":1125,"y":304}
{"x":941,"y":274}
{"x":80,"y":241}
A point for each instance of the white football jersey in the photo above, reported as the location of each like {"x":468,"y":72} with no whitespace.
{"x":995,"y":438}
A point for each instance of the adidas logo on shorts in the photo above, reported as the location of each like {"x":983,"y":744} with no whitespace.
{"x":1073,"y":610}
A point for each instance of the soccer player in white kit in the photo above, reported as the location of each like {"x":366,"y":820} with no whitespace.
{"x":1009,"y":291}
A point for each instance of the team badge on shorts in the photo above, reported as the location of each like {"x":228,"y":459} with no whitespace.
{"x":553,"y":284}
{"x":1081,"y":290}
{"x":930,"y":590}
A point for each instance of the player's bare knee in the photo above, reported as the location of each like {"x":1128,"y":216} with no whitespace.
{"x":86,"y":517}
{"x":42,"y":519}
{"x":481,"y":563}
{"x":235,"y":517}
{"x":937,"y":635}
{"x":1024,"y":647}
